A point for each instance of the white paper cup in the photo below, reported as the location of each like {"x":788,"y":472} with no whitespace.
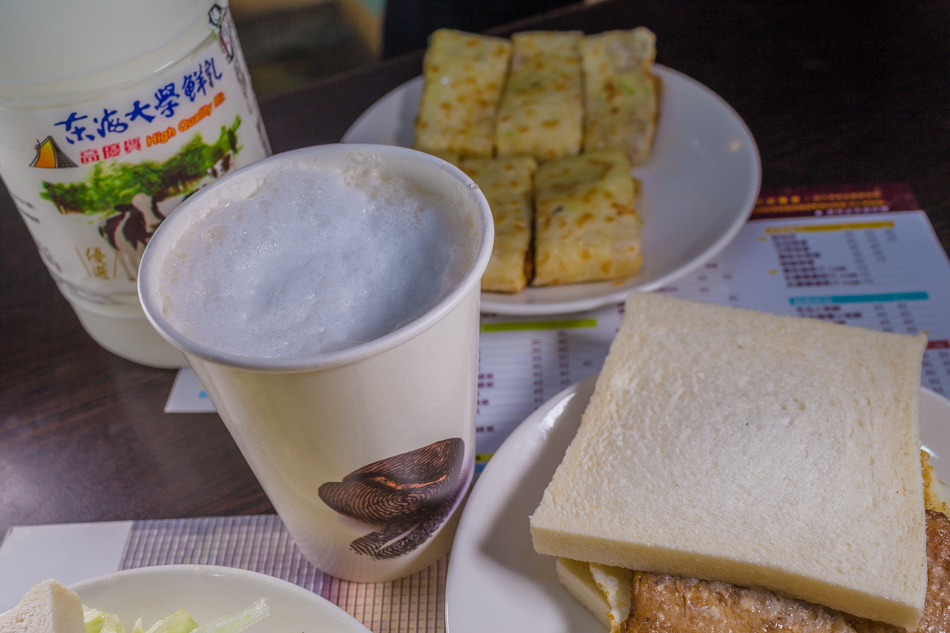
{"x":366,"y":452}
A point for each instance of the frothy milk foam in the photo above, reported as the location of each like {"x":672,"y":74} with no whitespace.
{"x":303,"y":260}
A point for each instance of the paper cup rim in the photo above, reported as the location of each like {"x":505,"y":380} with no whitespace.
{"x":174,"y":225}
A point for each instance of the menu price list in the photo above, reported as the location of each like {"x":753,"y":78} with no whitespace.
{"x":883,"y":270}
{"x":525,"y":362}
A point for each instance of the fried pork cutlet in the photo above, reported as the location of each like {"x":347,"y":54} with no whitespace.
{"x":936,"y":618}
{"x":669,"y":604}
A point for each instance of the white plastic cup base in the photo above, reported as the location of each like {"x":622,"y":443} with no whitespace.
{"x":124,"y":331}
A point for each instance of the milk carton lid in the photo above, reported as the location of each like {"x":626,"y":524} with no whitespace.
{"x":52,"y":46}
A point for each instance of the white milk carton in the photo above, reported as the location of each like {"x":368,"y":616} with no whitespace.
{"x":111,"y":113}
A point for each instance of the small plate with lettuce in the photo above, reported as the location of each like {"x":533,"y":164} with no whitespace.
{"x":205,"y":599}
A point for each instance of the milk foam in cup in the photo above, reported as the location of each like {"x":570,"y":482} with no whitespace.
{"x":327,"y":299}
{"x":111,"y":113}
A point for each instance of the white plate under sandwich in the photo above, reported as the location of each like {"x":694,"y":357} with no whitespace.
{"x":497,"y":582}
{"x":207,"y":592}
{"x":700,"y":185}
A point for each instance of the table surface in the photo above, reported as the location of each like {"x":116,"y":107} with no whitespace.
{"x":834,"y":93}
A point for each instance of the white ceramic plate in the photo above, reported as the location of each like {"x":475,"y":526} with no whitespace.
{"x":207,"y":592}
{"x":699,"y":187}
{"x":496,"y":581}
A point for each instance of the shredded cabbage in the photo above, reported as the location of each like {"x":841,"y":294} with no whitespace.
{"x":97,"y":621}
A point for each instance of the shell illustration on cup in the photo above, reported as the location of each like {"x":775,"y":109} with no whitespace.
{"x":408,"y":496}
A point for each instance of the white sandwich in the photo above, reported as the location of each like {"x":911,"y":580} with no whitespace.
{"x":49,"y":607}
{"x":650,"y":603}
{"x":772,"y":452}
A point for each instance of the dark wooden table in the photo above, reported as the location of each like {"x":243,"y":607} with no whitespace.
{"x":834,"y":93}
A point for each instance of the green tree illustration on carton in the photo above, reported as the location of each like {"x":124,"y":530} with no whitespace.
{"x":124,"y":197}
